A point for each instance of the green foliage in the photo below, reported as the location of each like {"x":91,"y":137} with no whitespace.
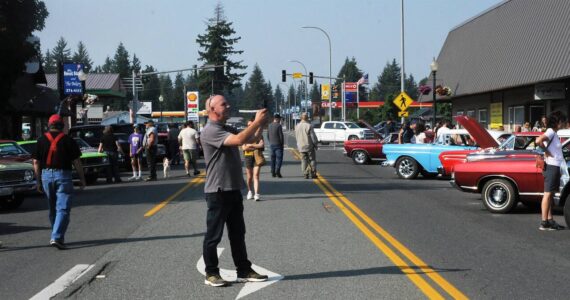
{"x":121,"y":63}
{"x":61,"y":53}
{"x":444,"y":110}
{"x":351,"y":73}
{"x":217,"y":45}
{"x":82,"y":56}
{"x":136,"y":64}
{"x":49,"y":63}
{"x":257,"y":91}
{"x":151,"y":89}
{"x":388,"y":82}
{"x":178,"y":100}
{"x":18,"y":20}
{"x":279,"y":99}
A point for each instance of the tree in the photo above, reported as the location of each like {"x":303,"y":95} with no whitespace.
{"x":166,"y":91}
{"x":60,"y":52}
{"x":49,"y":63}
{"x":235,"y":97}
{"x":136,"y":64}
{"x":121,"y":63}
{"x":278,"y":99}
{"x":217,"y":45}
{"x":151,"y":83}
{"x":178,"y":96}
{"x":81,"y":56}
{"x":257,"y":92}
{"x":411,"y":87}
{"x":108,"y":65}
{"x":388,"y":82}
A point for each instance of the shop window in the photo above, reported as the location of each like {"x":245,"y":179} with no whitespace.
{"x":482,"y":117}
{"x":516,"y":116}
{"x":459,"y":113}
{"x":471,"y":114}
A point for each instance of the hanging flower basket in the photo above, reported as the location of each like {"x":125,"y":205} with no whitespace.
{"x":443,"y":91}
{"x":425,"y":89}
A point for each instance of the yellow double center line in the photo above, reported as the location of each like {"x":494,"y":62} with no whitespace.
{"x":381,"y":238}
{"x":194,"y":182}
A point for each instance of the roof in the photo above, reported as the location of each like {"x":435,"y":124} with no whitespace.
{"x":103,"y":84}
{"x":515,"y":43}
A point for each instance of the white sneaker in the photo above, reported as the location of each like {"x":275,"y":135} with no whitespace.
{"x":132,"y":178}
{"x":256,"y":197}
{"x":249,"y":195}
{"x":138,"y":178}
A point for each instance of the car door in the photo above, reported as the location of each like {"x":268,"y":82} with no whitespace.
{"x":340,"y":132}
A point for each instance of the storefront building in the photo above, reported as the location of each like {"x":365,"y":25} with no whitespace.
{"x":510,"y":64}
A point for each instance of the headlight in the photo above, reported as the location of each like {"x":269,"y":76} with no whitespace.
{"x":29,"y":175}
{"x":452,"y":175}
{"x":105,"y":160}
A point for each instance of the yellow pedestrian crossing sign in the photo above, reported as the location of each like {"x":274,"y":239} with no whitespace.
{"x":403,"y":114}
{"x":403,"y":101}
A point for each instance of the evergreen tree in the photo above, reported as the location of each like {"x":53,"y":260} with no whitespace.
{"x":278,"y":98}
{"x":178,"y":97}
{"x":256,"y":92}
{"x":151,"y":90}
{"x":108,"y":65}
{"x":388,"y":82}
{"x":217,"y":45}
{"x":234,"y":98}
{"x":121,"y":63}
{"x":49,"y":63}
{"x":60,"y":52}
{"x":411,"y":87}
{"x":81,"y":56}
{"x":136,"y":65}
{"x":167,"y":93}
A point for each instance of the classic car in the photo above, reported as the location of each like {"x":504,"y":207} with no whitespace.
{"x":10,"y":150}
{"x":413,"y":159}
{"x":94,"y":163}
{"x":16,"y":179}
{"x":364,"y":151}
{"x":505,"y":181}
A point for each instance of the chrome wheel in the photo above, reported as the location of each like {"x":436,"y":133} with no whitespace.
{"x":360,"y":157}
{"x":407,"y":168}
{"x":352,"y":137}
{"x":499,"y":196}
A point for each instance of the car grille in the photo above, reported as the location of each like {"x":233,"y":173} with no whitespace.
{"x":92,"y":161}
{"x":12,"y":176}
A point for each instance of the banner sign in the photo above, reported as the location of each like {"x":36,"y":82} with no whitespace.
{"x":325,"y":92}
{"x":496,"y":115}
{"x":71,"y":82}
{"x":144,"y":108}
{"x":547,"y":91}
{"x":192,"y":106}
{"x":350,"y":91}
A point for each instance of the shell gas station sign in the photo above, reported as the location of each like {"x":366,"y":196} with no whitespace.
{"x":192,"y":106}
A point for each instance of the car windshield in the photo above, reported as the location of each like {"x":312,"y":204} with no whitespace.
{"x":162,"y":128}
{"x":81,"y":143}
{"x":351,"y":125}
{"x":519,"y":143}
{"x":9,"y":149}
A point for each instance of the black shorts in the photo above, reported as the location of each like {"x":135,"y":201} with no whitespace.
{"x":249,"y":161}
{"x":551,"y":178}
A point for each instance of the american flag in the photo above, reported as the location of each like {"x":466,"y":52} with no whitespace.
{"x":363,"y":80}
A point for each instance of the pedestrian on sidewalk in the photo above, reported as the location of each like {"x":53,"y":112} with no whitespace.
{"x":150,"y":144}
{"x":307,"y":144}
{"x":554,"y":159}
{"x":136,"y":150}
{"x":276,"y":144}
{"x":189,"y":140}
{"x":53,"y":159}
{"x":253,"y":169}
{"x":224,"y":181}
{"x":173,"y":145}
{"x":111,"y":147}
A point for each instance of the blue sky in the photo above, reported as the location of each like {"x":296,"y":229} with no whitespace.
{"x":163,"y":33}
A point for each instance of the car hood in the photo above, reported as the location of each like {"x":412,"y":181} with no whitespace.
{"x":14,"y":165}
{"x":362,"y":142}
{"x":479,"y":134}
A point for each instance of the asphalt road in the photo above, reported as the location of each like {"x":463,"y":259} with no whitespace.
{"x":358,"y":232}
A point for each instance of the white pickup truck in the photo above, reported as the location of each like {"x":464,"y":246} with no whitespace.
{"x":336,"y":131}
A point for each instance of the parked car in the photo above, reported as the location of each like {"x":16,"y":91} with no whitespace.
{"x":365,"y":151}
{"x":505,"y":181}
{"x":413,"y":159}
{"x":337,"y":131}
{"x":10,"y":150}
{"x":94,"y":163}
{"x":16,"y":180}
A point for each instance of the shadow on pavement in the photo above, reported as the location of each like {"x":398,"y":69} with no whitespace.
{"x":389,"y":270}
{"x":9,"y":228}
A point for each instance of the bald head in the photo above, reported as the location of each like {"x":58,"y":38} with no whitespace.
{"x":218,"y":108}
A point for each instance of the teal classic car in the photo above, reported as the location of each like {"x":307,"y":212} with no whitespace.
{"x":94,"y":163}
{"x":413,"y":159}
{"x":16,"y":179}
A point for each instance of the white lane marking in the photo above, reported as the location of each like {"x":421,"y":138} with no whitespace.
{"x":231,"y":276}
{"x":60,"y":284}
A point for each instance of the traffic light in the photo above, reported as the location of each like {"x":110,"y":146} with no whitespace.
{"x":283,"y":75}
{"x":310,"y":77}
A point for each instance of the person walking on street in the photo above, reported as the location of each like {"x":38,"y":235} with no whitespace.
{"x":53,"y":159}
{"x":307,"y":146}
{"x":173,"y":144}
{"x":224,"y":181}
{"x":554,"y":159}
{"x":276,"y":143}
{"x":150,"y":144}
{"x":111,"y":147}
{"x":188,"y":139}
{"x":136,"y":150}
{"x":252,"y":169}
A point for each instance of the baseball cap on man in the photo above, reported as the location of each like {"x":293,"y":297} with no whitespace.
{"x":54,"y":119}
{"x":277,"y":116}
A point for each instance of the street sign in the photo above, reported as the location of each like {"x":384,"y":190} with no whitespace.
{"x":144,"y":108}
{"x":403,"y":101}
{"x":297,"y":75}
{"x":71,"y":82}
{"x":403,"y":113}
{"x":192,"y":106}
{"x":325,"y":92}
{"x":350,"y":87}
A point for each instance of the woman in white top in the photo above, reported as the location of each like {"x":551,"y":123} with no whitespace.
{"x":419,"y":133}
{"x":554,"y":159}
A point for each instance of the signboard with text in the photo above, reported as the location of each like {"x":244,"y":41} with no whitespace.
{"x":350,"y":91}
{"x":192,"y":106}
{"x":496,"y":115}
{"x":71,"y":82}
{"x":325,"y":92}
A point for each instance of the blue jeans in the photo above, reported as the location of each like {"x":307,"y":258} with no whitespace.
{"x":276,"y":158}
{"x":58,"y":188}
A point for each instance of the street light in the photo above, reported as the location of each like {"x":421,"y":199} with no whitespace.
{"x":160,"y":100}
{"x":83,"y":78}
{"x":433,"y":66}
{"x":330,"y":66}
{"x":306,"y":82}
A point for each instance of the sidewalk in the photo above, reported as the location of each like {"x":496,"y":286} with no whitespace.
{"x":295,"y":231}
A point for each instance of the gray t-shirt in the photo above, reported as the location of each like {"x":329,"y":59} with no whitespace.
{"x":223,"y":163}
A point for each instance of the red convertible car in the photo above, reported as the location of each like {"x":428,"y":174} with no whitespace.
{"x":364,"y":151}
{"x":503,"y":182}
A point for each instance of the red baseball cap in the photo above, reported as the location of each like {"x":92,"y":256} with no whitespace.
{"x":55,"y":119}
